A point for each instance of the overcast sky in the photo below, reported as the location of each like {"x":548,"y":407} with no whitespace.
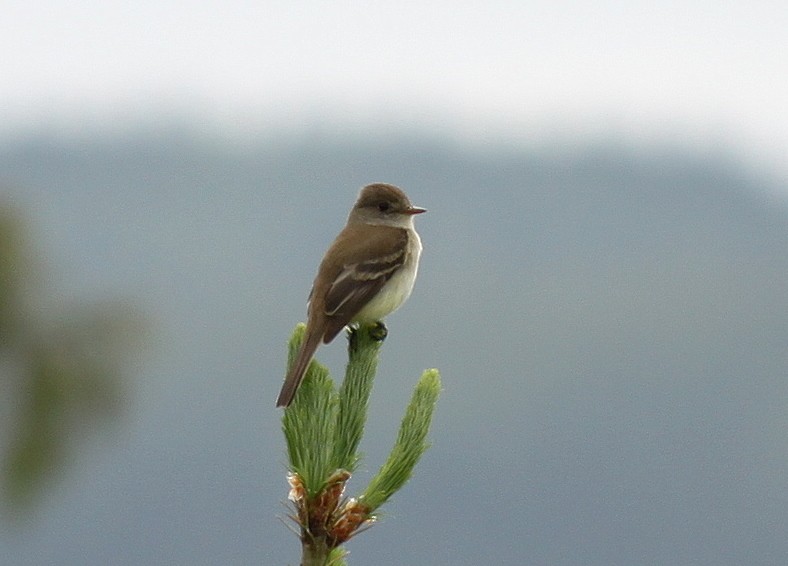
{"x":706,"y":72}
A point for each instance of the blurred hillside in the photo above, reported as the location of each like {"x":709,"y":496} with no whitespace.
{"x":610,"y":324}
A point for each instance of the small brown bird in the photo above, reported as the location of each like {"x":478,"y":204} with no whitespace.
{"x":366,"y":274}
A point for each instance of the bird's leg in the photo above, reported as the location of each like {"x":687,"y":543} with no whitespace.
{"x":352,"y":338}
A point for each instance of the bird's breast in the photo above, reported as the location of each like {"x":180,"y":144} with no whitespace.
{"x":397,"y":289}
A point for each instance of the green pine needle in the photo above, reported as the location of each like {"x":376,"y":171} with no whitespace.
{"x":410,"y":445}
{"x":354,"y":397}
{"x":308,"y":424}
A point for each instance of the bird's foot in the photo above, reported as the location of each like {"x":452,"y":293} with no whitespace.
{"x":378,"y":331}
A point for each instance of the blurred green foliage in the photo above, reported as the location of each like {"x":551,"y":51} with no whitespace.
{"x":60,"y":370}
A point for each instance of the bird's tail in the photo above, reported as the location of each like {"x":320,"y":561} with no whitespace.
{"x":297,"y":371}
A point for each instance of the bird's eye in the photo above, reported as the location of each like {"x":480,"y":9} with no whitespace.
{"x":383,"y":206}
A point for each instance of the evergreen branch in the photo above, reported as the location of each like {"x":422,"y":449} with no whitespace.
{"x":323,"y":429}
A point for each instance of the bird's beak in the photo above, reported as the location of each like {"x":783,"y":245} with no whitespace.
{"x":415,"y":210}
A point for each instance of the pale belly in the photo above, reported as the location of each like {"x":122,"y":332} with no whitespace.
{"x":396,"y":291}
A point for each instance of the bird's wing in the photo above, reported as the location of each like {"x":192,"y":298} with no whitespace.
{"x":358,"y":282}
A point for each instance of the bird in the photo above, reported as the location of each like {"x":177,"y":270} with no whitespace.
{"x":367,"y":273}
